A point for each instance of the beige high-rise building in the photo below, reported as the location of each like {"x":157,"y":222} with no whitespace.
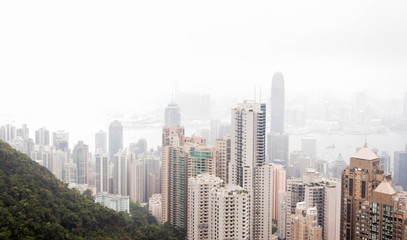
{"x":151,"y":185}
{"x":263,"y":201}
{"x":384,"y":217}
{"x":137,"y":178}
{"x":314,"y":192}
{"x":279,"y":185}
{"x":172,"y":138}
{"x":299,"y":190}
{"x":304,"y":223}
{"x":181,"y":160}
{"x":332,"y":209}
{"x":359,"y":180}
{"x":370,"y":208}
{"x":282,"y":214}
{"x":221,"y":155}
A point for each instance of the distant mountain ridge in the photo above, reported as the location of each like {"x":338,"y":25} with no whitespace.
{"x":36,"y":205}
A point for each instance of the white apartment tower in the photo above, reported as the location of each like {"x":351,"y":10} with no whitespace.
{"x":216,"y":212}
{"x":248,"y":137}
{"x":102,"y":172}
{"x":199,"y":206}
{"x":248,"y":142}
{"x":120,"y":173}
{"x":231,"y":213}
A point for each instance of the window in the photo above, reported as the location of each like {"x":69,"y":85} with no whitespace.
{"x":363,"y":189}
{"x":351,"y":187}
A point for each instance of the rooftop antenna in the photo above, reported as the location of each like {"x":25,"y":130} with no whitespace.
{"x":260,"y":94}
{"x":254,"y":94}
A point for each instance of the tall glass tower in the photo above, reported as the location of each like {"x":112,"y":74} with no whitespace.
{"x":172,"y":115}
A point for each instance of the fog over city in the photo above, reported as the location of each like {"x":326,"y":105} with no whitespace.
{"x":279,"y":110}
{"x":79,"y":65}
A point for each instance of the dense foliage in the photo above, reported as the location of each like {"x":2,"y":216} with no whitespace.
{"x":36,"y":205}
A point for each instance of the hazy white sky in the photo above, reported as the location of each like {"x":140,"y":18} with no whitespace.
{"x":62,"y":59}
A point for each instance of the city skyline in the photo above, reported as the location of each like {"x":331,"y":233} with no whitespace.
{"x":204,"y":120}
{"x":318,"y":46}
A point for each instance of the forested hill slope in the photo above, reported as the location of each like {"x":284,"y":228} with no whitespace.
{"x":36,"y":205}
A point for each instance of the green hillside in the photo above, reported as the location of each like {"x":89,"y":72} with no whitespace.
{"x":36,"y":205}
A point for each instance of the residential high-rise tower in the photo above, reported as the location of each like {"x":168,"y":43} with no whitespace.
{"x":80,"y":155}
{"x":359,"y":180}
{"x":101,"y":142}
{"x":115,"y":138}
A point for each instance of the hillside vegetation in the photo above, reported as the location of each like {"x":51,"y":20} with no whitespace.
{"x":36,"y":205}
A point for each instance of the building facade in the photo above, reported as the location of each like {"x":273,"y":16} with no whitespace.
{"x":80,"y":155}
{"x":115,"y":138}
{"x":359,"y":180}
{"x":172,"y":115}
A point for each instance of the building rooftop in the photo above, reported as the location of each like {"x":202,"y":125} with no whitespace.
{"x":366,"y":154}
{"x":385,"y":187}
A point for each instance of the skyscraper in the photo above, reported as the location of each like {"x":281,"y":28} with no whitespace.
{"x":363,"y":175}
{"x":262,"y":214}
{"x":332,"y":209}
{"x":137,"y":178}
{"x":120,"y":173}
{"x":217,"y":212}
{"x":101,"y":142}
{"x":102,"y":173}
{"x":277,"y":104}
{"x":247,"y":159}
{"x":278,"y":148}
{"x":115,"y":138}
{"x":221,"y":154}
{"x":400,"y":168}
{"x":405,"y":106}
{"x":247,"y":142}
{"x":42,"y":137}
{"x":313,"y":191}
{"x":172,"y":115}
{"x":10,"y":132}
{"x":60,"y":140}
{"x":172,"y":138}
{"x":279,"y":184}
{"x":384,"y":216}
{"x":199,"y":206}
{"x":174,"y":183}
{"x":182,"y":157}
{"x":385,"y":160}
{"x":80,"y":155}
{"x":23,"y":131}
